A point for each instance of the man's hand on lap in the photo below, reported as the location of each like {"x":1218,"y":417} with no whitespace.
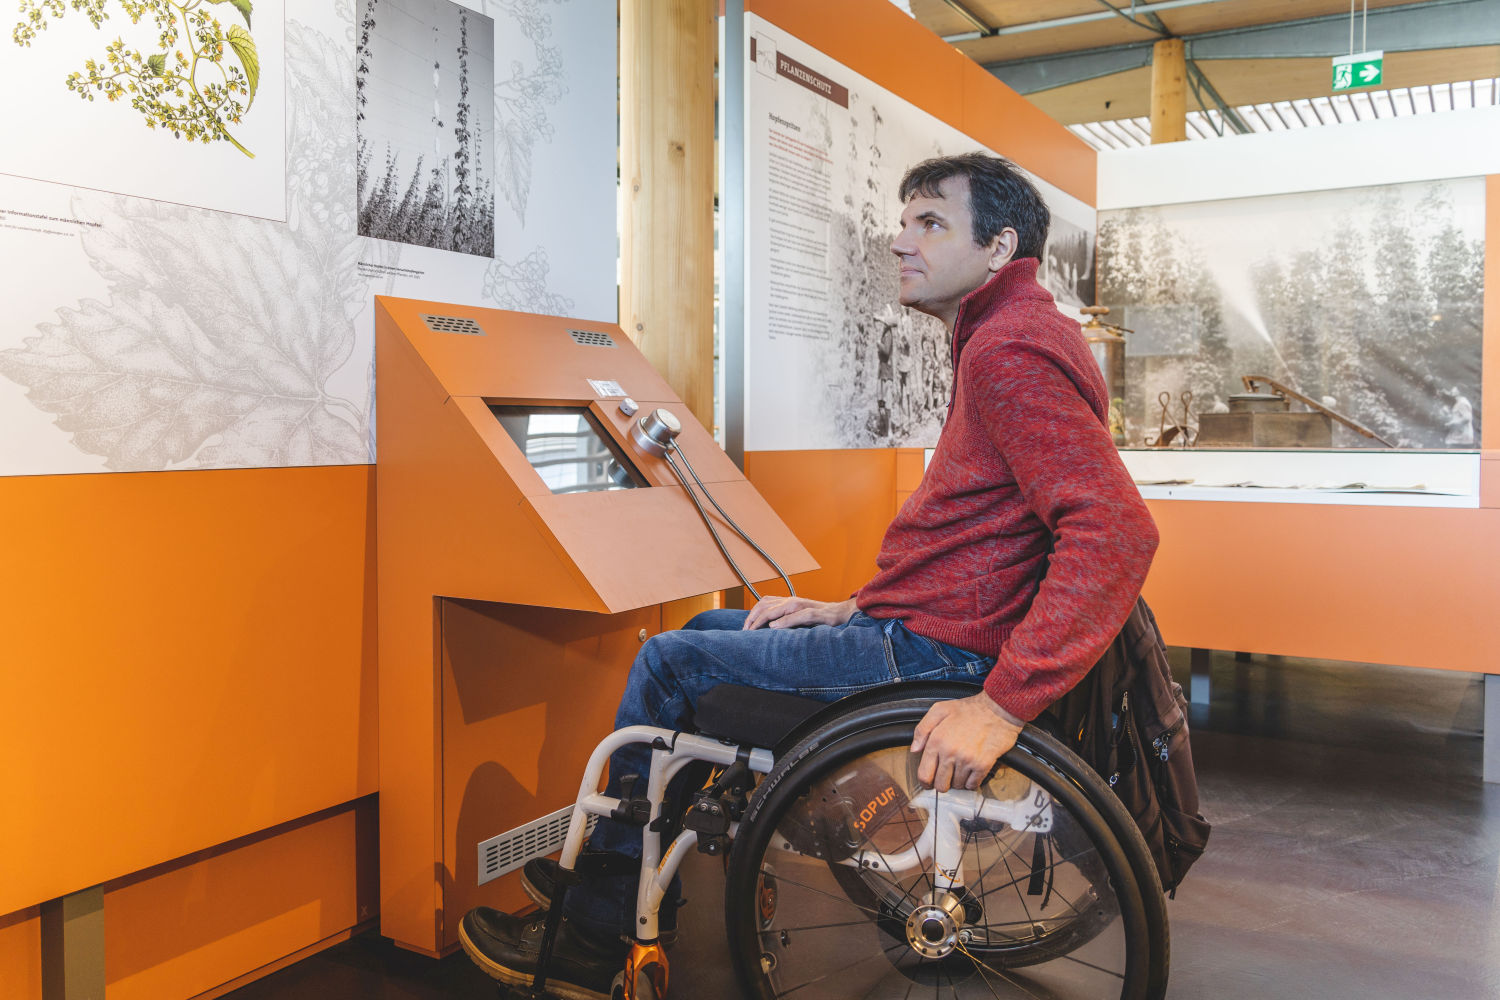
{"x":793,"y":612}
{"x":960,"y":741}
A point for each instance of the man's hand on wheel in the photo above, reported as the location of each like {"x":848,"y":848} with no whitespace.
{"x":960,"y":741}
{"x":791,"y":612}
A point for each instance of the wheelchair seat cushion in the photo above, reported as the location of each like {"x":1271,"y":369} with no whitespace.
{"x":749,"y":715}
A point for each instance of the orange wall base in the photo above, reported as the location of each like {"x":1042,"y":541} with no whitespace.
{"x":21,"y":955}
{"x":218,"y":919}
{"x":190,"y":928}
{"x":1410,"y":586}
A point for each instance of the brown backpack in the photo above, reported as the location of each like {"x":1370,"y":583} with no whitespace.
{"x":1128,"y":719}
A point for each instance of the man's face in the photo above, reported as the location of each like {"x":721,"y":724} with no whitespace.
{"x":940,"y":262}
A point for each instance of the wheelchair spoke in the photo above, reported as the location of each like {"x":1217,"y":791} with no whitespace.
{"x":1051,"y":866}
{"x":1090,"y":965}
{"x":883,"y":953}
{"x":1020,"y":896}
{"x":783,"y":880}
{"x":906,"y":894}
{"x":820,"y":927}
{"x":982,"y":966}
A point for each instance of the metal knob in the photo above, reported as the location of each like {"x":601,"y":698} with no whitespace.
{"x":617,"y":474}
{"x":629,"y":406}
{"x":654,"y":432}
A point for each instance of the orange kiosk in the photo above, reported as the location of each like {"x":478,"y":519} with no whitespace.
{"x":528,"y":535}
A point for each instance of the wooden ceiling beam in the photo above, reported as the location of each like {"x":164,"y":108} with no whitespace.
{"x":1260,"y":81}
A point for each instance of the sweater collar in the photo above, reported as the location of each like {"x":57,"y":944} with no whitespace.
{"x":1012,"y":280}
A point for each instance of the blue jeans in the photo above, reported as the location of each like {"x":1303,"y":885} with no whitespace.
{"x":673,"y":669}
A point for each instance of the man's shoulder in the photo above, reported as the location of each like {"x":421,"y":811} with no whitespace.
{"x":1030,"y":328}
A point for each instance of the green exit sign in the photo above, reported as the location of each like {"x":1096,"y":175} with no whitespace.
{"x":1362,"y":69}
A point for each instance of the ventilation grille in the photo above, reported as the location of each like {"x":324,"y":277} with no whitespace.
{"x":512,"y":849}
{"x":588,"y":338}
{"x":453,"y":324}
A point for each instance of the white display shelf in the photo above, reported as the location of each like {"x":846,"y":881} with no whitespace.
{"x":1390,"y":479}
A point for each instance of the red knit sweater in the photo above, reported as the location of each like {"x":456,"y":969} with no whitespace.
{"x":1027,"y":539}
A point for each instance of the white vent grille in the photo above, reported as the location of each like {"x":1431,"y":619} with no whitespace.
{"x":590,"y":338}
{"x":453,"y":324}
{"x":537,"y":839}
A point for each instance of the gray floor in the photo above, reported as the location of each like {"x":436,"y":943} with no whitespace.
{"x":1354,"y":854}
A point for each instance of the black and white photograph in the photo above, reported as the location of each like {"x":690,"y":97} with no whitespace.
{"x":424,"y":85}
{"x":1067,"y":269}
{"x":1367,"y":301}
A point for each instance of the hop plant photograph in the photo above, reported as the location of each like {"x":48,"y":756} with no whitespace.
{"x":424,"y":81}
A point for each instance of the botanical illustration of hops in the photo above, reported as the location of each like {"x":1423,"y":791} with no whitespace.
{"x":523,"y":101}
{"x":523,"y":285}
{"x":185,"y":83}
{"x":220,"y":333}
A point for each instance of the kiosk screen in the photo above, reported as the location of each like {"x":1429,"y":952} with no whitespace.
{"x":568,"y":448}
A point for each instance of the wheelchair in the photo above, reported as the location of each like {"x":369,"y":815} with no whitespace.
{"x":846,"y":878}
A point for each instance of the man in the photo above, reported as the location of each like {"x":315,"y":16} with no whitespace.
{"x":1458,"y":422}
{"x":1015,"y":562}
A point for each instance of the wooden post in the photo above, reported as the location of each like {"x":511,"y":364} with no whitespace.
{"x":667,"y":91}
{"x":73,"y":946}
{"x":1168,"y":91}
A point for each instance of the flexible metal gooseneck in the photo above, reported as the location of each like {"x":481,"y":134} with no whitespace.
{"x":708,"y":521}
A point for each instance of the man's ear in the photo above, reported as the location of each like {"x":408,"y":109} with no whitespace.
{"x":1003,"y":248}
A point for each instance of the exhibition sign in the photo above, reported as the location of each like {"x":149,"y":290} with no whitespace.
{"x":205,"y":203}
{"x":832,"y":359}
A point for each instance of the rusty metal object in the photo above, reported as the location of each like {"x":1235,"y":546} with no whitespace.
{"x":1252,"y":381}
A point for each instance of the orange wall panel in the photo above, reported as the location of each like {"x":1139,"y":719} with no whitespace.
{"x":910,"y":465}
{"x":838,"y":503}
{"x":189,"y":659}
{"x":191,"y":927}
{"x":879,"y":42}
{"x":1008,"y":123}
{"x":21,"y":955}
{"x":1403,"y":585}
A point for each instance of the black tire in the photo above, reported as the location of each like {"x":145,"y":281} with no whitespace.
{"x":793,"y":878}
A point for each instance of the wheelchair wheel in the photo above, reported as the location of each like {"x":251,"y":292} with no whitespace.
{"x":849,"y":879}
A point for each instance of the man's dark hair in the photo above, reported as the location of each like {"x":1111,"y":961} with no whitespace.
{"x":1000,"y":197}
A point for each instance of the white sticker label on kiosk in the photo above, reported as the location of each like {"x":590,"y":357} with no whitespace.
{"x":606,"y":388}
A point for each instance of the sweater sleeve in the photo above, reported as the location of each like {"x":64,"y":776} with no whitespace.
{"x":1072,"y":478}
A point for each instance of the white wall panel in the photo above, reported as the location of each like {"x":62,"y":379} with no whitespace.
{"x":1358,"y":154}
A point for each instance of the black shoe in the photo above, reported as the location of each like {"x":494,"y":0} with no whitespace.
{"x":506,"y":947}
{"x":539,"y":881}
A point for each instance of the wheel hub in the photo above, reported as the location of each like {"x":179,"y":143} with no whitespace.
{"x":933,"y":926}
